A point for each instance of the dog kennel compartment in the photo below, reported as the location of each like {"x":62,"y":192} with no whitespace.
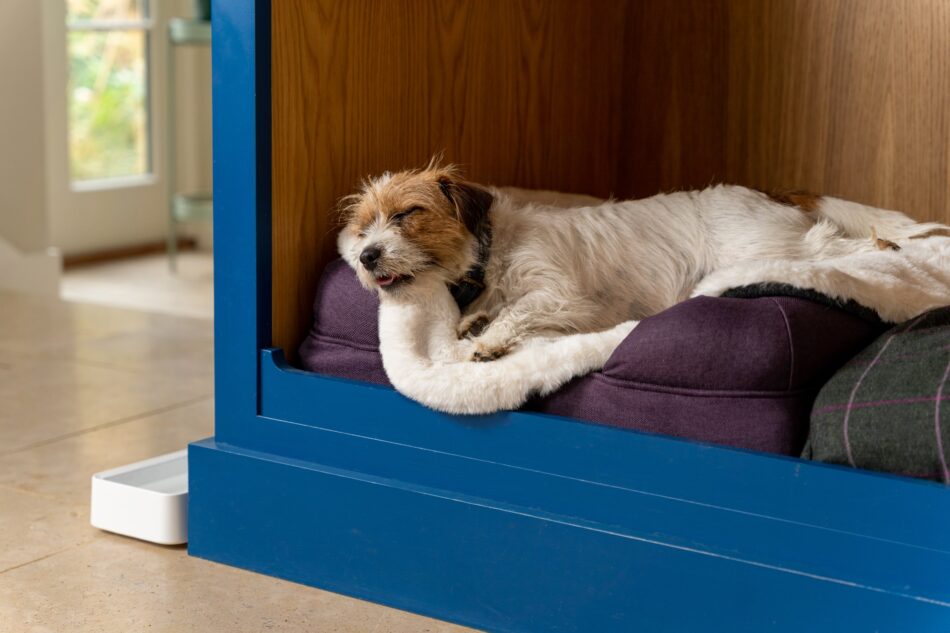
{"x":521,"y":521}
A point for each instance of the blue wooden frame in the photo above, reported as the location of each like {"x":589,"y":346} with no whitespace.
{"x":516,"y":521}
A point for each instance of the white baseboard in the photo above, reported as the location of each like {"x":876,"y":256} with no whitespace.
{"x":33,"y":273}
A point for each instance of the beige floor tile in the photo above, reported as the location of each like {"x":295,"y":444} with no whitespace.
{"x":32,"y":527}
{"x":145,"y":283}
{"x":30,"y":323}
{"x":175,"y":352}
{"x":52,"y":330}
{"x":395,"y":621}
{"x":114,"y":584}
{"x":41,"y":400}
{"x":63,"y":469}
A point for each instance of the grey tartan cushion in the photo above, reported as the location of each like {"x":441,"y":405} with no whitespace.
{"x":888,"y":409}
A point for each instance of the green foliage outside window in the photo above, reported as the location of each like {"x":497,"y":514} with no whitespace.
{"x":108,"y":89}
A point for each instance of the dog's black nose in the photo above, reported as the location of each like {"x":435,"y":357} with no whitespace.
{"x":370,"y":256}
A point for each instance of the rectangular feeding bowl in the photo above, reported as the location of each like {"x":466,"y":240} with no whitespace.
{"x":146,"y":500}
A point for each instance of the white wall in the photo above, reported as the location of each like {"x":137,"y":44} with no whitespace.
{"x":193,"y":139}
{"x":25,"y":263}
{"x":23,"y":222}
{"x":194,"y":119}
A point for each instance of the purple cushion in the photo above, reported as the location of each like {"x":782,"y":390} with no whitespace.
{"x":739,"y":372}
{"x":344,"y":339}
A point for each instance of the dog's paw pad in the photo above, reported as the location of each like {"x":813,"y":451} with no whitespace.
{"x":484,"y":354}
{"x":473,"y":325}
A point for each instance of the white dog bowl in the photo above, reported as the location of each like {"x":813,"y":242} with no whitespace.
{"x":147,"y":500}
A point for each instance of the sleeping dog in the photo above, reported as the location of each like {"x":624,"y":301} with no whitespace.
{"x":519,"y":269}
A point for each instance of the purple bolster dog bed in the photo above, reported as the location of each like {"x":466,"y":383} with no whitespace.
{"x":738,"y":372}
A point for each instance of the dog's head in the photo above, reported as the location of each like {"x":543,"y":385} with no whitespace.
{"x":413,"y":224}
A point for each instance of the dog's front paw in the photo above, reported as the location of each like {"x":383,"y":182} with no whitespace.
{"x":473,"y":325}
{"x":485,"y":353}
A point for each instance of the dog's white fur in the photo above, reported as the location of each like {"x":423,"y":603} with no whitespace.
{"x":583,"y":269}
{"x":587,"y":269}
{"x":425,"y":360}
{"x":599,"y":268}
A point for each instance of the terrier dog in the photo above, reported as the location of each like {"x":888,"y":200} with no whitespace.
{"x":519,"y":269}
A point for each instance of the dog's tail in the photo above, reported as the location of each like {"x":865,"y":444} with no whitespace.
{"x":861,"y":221}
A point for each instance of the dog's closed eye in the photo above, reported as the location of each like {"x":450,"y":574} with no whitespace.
{"x":402,"y":215}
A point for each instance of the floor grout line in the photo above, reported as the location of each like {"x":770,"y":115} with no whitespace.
{"x":50,"y":555}
{"x":48,"y":356}
{"x":106,"y":425}
{"x":101,"y":364}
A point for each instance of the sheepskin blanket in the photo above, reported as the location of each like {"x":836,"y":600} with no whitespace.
{"x":425,"y":361}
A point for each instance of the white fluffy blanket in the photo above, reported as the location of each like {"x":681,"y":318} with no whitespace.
{"x":425,"y":361}
{"x":897,"y":284}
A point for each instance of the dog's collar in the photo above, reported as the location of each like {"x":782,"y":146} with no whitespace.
{"x":467,"y":289}
{"x":470,"y":286}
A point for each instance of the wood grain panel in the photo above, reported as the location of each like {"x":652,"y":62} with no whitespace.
{"x":844,"y":97}
{"x":675,"y":81}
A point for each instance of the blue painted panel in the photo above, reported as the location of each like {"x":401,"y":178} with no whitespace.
{"x":506,"y":568}
{"x":240,"y":55}
{"x":829,"y":553}
{"x":798,"y":491}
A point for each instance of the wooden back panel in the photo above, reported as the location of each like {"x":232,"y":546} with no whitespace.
{"x":843,"y":97}
{"x":624,"y":98}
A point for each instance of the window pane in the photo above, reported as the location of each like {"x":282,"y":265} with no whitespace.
{"x":105,"y":10}
{"x":108,"y":112}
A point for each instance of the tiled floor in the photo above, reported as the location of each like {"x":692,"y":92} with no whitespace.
{"x":84,"y":388}
{"x":145,"y":283}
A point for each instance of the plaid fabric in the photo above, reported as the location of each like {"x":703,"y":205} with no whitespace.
{"x":888,"y":409}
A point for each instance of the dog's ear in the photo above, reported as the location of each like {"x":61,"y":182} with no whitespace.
{"x":471,"y":202}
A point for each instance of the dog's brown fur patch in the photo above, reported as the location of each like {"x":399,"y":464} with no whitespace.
{"x":441,"y":225}
{"x":884,"y":245}
{"x":484,"y":353}
{"x":473,"y":325}
{"x":804,"y":200}
{"x":881,"y":243}
{"x":932,"y":233}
